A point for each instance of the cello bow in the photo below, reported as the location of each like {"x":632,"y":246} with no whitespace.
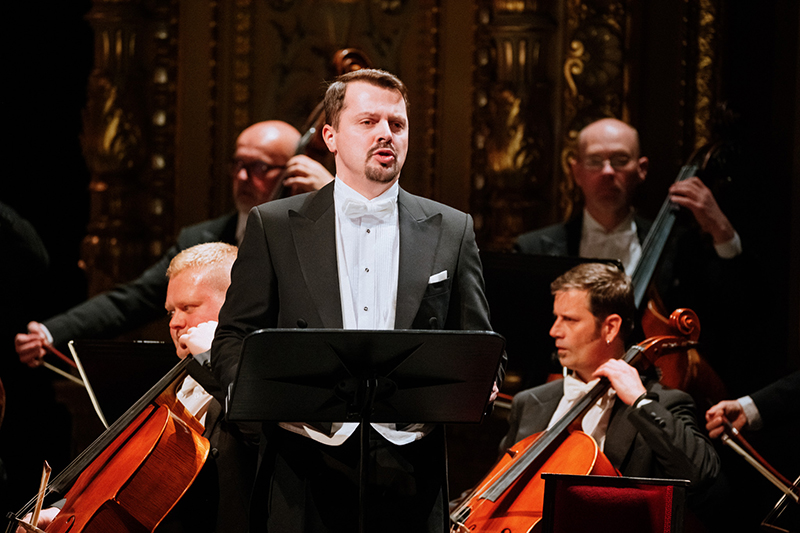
{"x":732,"y":438}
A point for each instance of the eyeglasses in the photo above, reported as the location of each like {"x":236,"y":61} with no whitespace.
{"x":255,"y":169}
{"x":617,"y":162}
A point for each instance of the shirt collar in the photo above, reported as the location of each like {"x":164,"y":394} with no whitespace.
{"x":590,"y":225}
{"x":342,"y":191}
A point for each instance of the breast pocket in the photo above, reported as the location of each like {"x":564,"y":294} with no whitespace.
{"x":435,"y":303}
{"x":436,"y":289}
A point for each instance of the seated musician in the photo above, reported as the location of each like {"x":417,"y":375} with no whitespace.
{"x":644,"y":429}
{"x":218,"y":499}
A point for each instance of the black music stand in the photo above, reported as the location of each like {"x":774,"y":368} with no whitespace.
{"x":394,"y":376}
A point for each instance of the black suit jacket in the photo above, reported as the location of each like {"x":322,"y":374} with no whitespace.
{"x":779,"y":402}
{"x":286,"y":272}
{"x":658,"y":440}
{"x":140,"y":301}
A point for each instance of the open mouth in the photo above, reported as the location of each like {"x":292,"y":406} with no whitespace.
{"x":384,"y":156}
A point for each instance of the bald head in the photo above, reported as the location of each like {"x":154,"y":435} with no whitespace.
{"x":609,"y":130}
{"x":277,"y":138}
{"x":608,"y":169}
{"x":262,"y":150}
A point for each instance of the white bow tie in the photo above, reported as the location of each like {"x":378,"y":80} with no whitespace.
{"x":356,"y":209}
{"x":575,"y":389}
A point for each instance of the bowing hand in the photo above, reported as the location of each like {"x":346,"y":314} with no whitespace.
{"x":731,"y":410}
{"x":30,"y":346}
{"x":46,"y":517}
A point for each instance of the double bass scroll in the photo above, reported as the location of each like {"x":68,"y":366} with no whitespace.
{"x":311,"y":143}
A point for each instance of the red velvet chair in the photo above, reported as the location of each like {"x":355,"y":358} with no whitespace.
{"x":612,"y":504}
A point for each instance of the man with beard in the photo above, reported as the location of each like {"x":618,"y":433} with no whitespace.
{"x":361,"y":253}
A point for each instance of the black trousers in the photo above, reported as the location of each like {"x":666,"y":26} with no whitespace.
{"x":305,"y":486}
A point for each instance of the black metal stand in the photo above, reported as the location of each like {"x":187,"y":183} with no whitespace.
{"x":396,"y":376}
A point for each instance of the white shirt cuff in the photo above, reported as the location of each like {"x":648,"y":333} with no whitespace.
{"x":47,"y":334}
{"x":729,"y":249}
{"x":751,"y":412}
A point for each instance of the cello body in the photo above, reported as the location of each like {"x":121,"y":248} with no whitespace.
{"x":135,"y":472}
{"x":137,"y":479}
{"x":520,"y":508}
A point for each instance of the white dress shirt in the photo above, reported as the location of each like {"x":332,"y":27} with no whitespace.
{"x":368,"y":259}
{"x":595,"y":421}
{"x":620,"y":243}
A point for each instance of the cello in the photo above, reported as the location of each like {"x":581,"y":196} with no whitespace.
{"x":510,"y":498}
{"x":135,"y":472}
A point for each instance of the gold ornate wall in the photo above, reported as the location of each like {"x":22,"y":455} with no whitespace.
{"x":175,"y":81}
{"x":128,"y":138}
{"x":545,"y":69}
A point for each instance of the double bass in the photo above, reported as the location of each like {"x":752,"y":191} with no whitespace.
{"x":135,"y":472}
{"x":688,"y":371}
{"x":510,"y":498}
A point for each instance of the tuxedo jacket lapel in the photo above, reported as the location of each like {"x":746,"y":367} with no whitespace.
{"x":314,"y":234}
{"x":313,"y":229}
{"x":419,"y":240}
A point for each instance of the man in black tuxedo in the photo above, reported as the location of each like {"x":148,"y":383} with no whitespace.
{"x":608,"y":169}
{"x":264,"y":153}
{"x":644,"y":429}
{"x":361,"y":253}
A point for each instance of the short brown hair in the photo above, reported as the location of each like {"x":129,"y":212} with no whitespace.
{"x":334,"y":96}
{"x":609,"y":288}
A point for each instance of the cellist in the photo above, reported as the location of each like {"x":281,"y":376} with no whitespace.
{"x":218,"y":499}
{"x":644,"y":429}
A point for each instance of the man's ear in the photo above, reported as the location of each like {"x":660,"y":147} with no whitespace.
{"x":611,"y":327}
{"x":329,"y":136}
{"x":644,"y":164}
{"x":574,"y":167}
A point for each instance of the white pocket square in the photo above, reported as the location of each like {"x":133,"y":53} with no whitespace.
{"x":441,"y":276}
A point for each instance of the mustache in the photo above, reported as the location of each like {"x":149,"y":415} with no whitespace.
{"x":381,"y":146}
